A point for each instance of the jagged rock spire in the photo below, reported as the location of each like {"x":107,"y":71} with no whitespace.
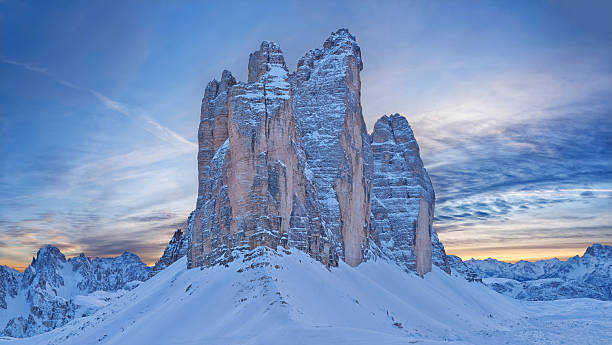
{"x":403,"y":198}
{"x":261,"y":61}
{"x":254,"y":190}
{"x":327,"y":103}
{"x":285,"y":159}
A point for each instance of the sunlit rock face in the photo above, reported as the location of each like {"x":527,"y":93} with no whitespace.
{"x":255,"y":190}
{"x":213,"y":122}
{"x":285,"y":160}
{"x":403,"y":198}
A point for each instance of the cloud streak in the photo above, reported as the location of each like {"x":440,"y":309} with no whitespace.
{"x":106,"y":206}
{"x":146,"y":122}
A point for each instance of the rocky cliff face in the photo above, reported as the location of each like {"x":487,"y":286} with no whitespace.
{"x":327,"y":103}
{"x":176,"y":249}
{"x":285,"y":160}
{"x":403,"y":198}
{"x":461,"y":270}
{"x":587,"y":276}
{"x":9,"y":284}
{"x":42,"y":298}
{"x":254,"y":191}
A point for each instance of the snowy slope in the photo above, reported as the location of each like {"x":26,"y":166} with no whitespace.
{"x":276,"y":298}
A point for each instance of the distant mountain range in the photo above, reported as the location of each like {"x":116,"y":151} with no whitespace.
{"x":587,"y":276}
{"x":53,"y":290}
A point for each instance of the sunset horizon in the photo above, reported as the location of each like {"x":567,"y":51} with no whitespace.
{"x":100,"y":123}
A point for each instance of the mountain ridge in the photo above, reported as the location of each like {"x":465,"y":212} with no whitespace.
{"x":589,"y":275}
{"x":46,"y":295}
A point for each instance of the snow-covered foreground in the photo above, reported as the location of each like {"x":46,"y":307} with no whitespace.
{"x":277,"y":298}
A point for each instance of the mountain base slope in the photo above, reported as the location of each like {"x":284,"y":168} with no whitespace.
{"x":269,"y":297}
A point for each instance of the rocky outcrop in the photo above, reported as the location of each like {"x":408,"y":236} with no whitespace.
{"x":213,"y":123}
{"x":438,"y":254}
{"x":461,"y":270}
{"x":285,"y":160}
{"x":272,"y":182}
{"x":41,"y":298}
{"x":403,"y":198}
{"x":176,"y":249}
{"x":9,"y":284}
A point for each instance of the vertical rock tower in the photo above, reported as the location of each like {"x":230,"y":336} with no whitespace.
{"x":327,"y":103}
{"x":286,"y":160}
{"x":254,"y":186}
{"x":403,"y":198}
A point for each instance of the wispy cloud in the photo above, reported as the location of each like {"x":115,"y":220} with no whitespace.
{"x":106,"y":206}
{"x":162,"y":132}
{"x":29,"y":66}
{"x":146,"y":122}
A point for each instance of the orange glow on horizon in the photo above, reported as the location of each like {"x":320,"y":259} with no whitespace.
{"x":19,"y":266}
{"x":514,"y":255}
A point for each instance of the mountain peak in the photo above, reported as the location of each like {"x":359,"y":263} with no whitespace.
{"x":599,"y":250}
{"x":287,"y":161}
{"x":49,"y":252}
{"x":338,"y":37}
{"x":49,"y":286}
{"x":342,"y":42}
{"x":265,"y":59}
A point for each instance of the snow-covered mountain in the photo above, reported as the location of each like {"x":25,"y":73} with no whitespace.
{"x":280,"y":297}
{"x":53,"y":290}
{"x":283,"y":297}
{"x":587,"y":276}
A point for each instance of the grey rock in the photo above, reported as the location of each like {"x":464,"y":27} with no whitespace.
{"x":176,"y":249}
{"x":461,"y":270}
{"x":285,"y":160}
{"x":327,"y":103}
{"x":403,"y":198}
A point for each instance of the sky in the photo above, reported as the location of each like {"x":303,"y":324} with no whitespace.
{"x":510,"y":102}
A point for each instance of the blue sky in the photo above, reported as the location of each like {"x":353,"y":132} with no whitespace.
{"x":510,"y":102}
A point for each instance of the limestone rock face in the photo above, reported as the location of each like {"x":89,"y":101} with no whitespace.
{"x":254,"y":191}
{"x":438,"y":253}
{"x":327,"y":103}
{"x":213,"y":122}
{"x":285,"y":160}
{"x":403,"y":198}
